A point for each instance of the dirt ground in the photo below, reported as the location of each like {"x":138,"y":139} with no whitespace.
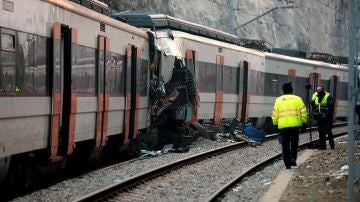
{"x":321,"y":178}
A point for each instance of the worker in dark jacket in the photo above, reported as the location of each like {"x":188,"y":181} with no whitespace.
{"x":289,"y":116}
{"x":323,"y":109}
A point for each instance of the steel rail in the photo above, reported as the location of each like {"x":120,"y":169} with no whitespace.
{"x":115,"y":189}
{"x":249,"y":171}
{"x":106,"y":192}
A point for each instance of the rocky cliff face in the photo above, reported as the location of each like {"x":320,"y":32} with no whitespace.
{"x":313,"y":26}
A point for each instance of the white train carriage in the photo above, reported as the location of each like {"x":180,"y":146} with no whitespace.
{"x":73,"y":79}
{"x":300,"y":71}
{"x":68,"y":75}
{"x":221,"y":71}
{"x":234,"y":81}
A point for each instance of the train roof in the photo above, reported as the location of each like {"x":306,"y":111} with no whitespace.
{"x":179,"y":34}
{"x":161,"y":21}
{"x":94,"y":5}
{"x":73,"y":6}
{"x":304,"y":61}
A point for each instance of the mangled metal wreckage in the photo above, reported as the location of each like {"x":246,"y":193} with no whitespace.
{"x":172,"y":92}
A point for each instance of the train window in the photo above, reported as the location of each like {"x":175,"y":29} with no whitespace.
{"x":25,"y":68}
{"x":89,"y":70}
{"x":254,"y":86}
{"x":342,"y":94}
{"x":333,"y":81}
{"x":8,"y":5}
{"x":7,"y":41}
{"x":325,"y":84}
{"x":315,"y":79}
{"x":76,"y":72}
{"x":299,"y":89}
{"x":114,"y":74}
{"x":230,"y":75}
{"x":207,"y":77}
{"x":40,"y":67}
{"x":271,"y":84}
{"x":25,"y":62}
{"x":83,"y":73}
{"x":281,"y":80}
{"x":109,"y":63}
{"x":143,"y":77}
{"x":7,"y":71}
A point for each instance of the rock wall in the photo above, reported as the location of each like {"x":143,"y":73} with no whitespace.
{"x":312,"y":26}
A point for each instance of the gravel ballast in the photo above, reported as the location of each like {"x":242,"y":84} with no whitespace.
{"x":74,"y":188}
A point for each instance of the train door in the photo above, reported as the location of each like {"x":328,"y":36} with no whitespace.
{"x":333,"y":83}
{"x":131,"y":94}
{"x":101,"y":93}
{"x":219,"y":93}
{"x":244,"y":74}
{"x":191,"y":63}
{"x":62,"y":119}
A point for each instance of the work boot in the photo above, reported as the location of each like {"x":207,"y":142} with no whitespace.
{"x":293,"y":163}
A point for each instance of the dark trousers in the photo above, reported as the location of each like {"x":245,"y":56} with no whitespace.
{"x":289,"y":139}
{"x":325,"y":128}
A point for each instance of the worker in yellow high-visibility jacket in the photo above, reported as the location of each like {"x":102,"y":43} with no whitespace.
{"x":289,"y":116}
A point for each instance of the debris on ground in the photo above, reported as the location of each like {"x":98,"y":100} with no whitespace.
{"x":167,"y":149}
{"x":252,"y":133}
{"x":233,"y":131}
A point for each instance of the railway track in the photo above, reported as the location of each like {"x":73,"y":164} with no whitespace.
{"x":252,"y":170}
{"x":166,"y":174}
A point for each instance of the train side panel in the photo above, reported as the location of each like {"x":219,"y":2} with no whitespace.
{"x":278,"y":66}
{"x":23,"y":124}
{"x":31,"y":127}
{"x":221,"y":68}
{"x":220,"y":77}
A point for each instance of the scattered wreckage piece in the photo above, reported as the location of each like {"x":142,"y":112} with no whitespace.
{"x":166,"y":149}
{"x":172,"y":106}
{"x":254,"y":134}
{"x":234,"y":130}
{"x":242,"y":137}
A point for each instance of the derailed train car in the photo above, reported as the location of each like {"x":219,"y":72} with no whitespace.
{"x":76,"y":84}
{"x":233,"y":81}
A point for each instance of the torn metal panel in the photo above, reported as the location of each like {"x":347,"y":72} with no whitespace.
{"x":170,"y":50}
{"x":170,"y":46}
{"x":167,"y":66}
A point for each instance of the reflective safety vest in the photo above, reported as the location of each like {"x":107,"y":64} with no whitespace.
{"x":314,"y":96}
{"x":17,"y":89}
{"x":323,"y":101}
{"x":321,"y":111}
{"x":289,"y":111}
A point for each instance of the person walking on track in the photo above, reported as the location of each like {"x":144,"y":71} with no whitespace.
{"x":289,"y":116}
